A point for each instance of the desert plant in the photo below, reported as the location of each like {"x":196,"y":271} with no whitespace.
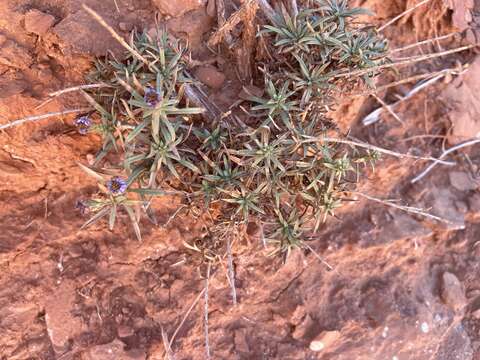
{"x":277,"y":169}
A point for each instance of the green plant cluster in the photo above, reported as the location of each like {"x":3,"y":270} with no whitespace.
{"x":276,"y":171}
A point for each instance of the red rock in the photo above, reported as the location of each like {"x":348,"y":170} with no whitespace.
{"x":82,"y":34}
{"x":325,"y":340}
{"x":124,"y":331}
{"x":211,"y":8}
{"x":453,"y":292}
{"x":114,"y":351}
{"x":14,"y":55}
{"x":240,"y":339}
{"x":198,"y":22}
{"x":302,"y":329}
{"x":462,"y":12}
{"x":250,"y":90}
{"x":474,"y":203}
{"x":210,"y":76}
{"x":462,"y":181}
{"x":38,"y":22}
{"x":175,"y":8}
{"x":61,"y":324}
{"x":125,"y":26}
{"x":461,"y":97}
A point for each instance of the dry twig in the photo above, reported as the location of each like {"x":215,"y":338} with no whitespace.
{"x":408,"y":209}
{"x":231,"y":271}
{"x":115,"y":35}
{"x":330,"y":267}
{"x":205,"y":318}
{"x":376,"y":148}
{"x":195,"y":302}
{"x":389,"y":109}
{"x":396,"y":18}
{"x":424,"y":42}
{"x":77,"y":88}
{"x":168,"y":350}
{"x":445,"y":153}
{"x":406,"y":61}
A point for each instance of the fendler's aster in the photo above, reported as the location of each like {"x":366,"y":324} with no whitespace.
{"x":83,"y":124}
{"x":152,"y":97}
{"x":117,"y":185}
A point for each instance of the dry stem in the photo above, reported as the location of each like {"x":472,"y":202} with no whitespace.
{"x":195,"y":302}
{"x":44,"y":116}
{"x":115,"y":35}
{"x":396,"y":18}
{"x":205,"y":319}
{"x":408,"y":209}
{"x":231,"y":271}
{"x":423,"y":42}
{"x":389,"y":109}
{"x":376,"y":148}
{"x":406,"y":61}
{"x":445,"y":153}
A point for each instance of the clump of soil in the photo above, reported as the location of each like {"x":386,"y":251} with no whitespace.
{"x":381,"y":284}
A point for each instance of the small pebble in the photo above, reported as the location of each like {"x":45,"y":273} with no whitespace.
{"x":210,"y":76}
{"x":424,"y":327}
{"x":317,"y":346}
{"x":325,"y":340}
{"x":125,"y":26}
{"x":385,"y":332}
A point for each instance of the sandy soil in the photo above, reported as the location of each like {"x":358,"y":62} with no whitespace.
{"x":396,"y":286}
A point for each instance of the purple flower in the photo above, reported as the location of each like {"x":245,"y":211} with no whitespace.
{"x":83,"y":124}
{"x":117,"y":185}
{"x":82,"y":207}
{"x":152,"y":97}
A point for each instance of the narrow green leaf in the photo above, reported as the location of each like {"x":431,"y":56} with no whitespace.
{"x":91,"y":172}
{"x":95,"y":218}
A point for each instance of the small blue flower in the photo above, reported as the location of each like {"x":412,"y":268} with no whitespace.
{"x":83,"y":124}
{"x":152,"y":97}
{"x":117,"y":185}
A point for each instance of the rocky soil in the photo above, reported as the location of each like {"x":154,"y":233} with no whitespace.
{"x":379,"y":284}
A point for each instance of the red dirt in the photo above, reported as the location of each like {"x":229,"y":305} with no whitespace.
{"x":401,"y":287}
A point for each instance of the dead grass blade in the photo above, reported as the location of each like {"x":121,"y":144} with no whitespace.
{"x":317,"y":255}
{"x":406,"y":61}
{"x":168,"y":350}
